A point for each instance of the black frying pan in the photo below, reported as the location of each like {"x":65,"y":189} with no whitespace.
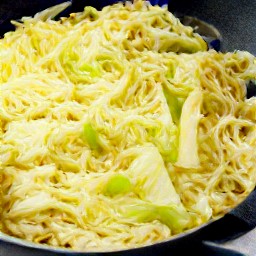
{"x":235,"y":21}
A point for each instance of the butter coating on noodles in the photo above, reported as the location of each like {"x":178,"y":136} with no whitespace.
{"x":119,"y":129}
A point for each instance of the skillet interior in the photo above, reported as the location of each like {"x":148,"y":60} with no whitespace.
{"x":235,"y":21}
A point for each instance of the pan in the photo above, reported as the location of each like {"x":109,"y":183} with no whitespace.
{"x":228,"y":26}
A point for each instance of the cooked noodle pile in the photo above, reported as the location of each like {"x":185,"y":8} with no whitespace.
{"x":119,"y":129}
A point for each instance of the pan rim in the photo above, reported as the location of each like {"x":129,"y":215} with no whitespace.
{"x":33,"y":245}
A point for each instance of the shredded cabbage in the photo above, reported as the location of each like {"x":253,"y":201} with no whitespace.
{"x":118,"y":128}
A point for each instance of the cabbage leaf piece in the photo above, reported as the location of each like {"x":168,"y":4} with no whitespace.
{"x":190,"y":116}
{"x":152,"y":184}
{"x":117,"y":184}
{"x":175,"y":106}
{"x":173,"y":216}
{"x":150,"y":177}
{"x":51,"y":12}
{"x":90,"y":136}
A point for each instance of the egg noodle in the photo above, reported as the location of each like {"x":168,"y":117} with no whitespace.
{"x":119,"y":128}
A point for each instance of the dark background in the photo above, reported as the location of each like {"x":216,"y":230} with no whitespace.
{"x":235,"y":19}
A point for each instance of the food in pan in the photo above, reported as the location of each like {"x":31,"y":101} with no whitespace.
{"x":120,"y":129}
